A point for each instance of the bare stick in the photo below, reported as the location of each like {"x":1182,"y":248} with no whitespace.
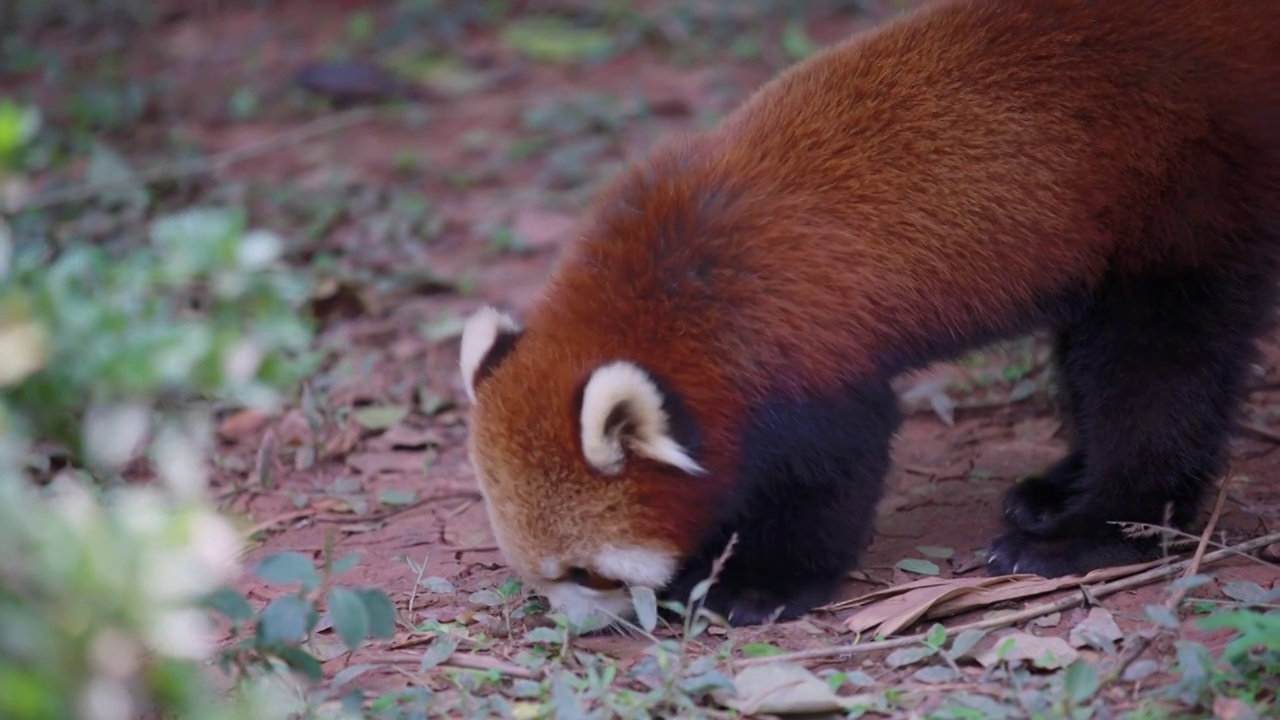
{"x":451,"y":495}
{"x":1175,"y":599}
{"x":200,"y":166}
{"x":1098,"y":591}
{"x":1259,"y":432}
{"x":483,"y":663}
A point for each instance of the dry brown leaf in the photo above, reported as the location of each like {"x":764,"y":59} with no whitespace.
{"x":406,"y":437}
{"x":242,"y":424}
{"x":1031,"y":586}
{"x":893,"y":614}
{"x":1046,"y":653}
{"x":374,"y":463}
{"x":342,"y":442}
{"x":893,"y":609}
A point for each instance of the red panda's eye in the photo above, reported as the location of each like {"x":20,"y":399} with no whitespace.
{"x":586,"y":578}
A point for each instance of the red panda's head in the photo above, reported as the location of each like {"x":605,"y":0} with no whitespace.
{"x":586,"y":465}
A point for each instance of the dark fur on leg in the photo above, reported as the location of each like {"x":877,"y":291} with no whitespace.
{"x":813,"y":472}
{"x":1158,"y":365}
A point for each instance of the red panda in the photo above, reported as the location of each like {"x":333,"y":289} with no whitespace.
{"x":714,"y":354}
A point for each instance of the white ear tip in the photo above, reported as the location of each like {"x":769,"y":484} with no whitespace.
{"x":479,"y":333}
{"x":622,"y":384}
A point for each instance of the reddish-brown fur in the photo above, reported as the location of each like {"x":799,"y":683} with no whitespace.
{"x":893,"y":200}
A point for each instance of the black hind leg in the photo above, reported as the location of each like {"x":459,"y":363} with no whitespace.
{"x":1158,"y":364}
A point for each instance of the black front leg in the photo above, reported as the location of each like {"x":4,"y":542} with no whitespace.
{"x":810,"y":478}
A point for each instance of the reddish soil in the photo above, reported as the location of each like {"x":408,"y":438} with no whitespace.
{"x":946,"y":483}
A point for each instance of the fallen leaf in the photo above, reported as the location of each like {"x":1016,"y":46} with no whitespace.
{"x":1229,"y":708}
{"x":406,"y":437}
{"x":1046,"y":653}
{"x":917,"y":566}
{"x":937,"y":553}
{"x":380,"y":417}
{"x":242,"y":424}
{"x":897,"y":611}
{"x":892,"y":609}
{"x":375,"y":463}
{"x":782,"y":689}
{"x":550,"y":39}
{"x":1098,"y":629}
{"x":1244,"y":591}
{"x":342,"y":442}
{"x":934,"y":393}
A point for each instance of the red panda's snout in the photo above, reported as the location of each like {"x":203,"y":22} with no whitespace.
{"x":569,"y":479}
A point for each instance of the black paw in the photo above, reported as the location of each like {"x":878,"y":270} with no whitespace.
{"x":1039,"y":504}
{"x":1017,"y":552}
{"x":744,"y":606}
{"x":1035,"y":505}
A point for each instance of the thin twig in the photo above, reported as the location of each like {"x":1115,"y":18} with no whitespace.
{"x":1260,"y":432}
{"x":385,"y":514}
{"x":1098,"y":591}
{"x":483,"y":663}
{"x":200,"y":166}
{"x":279,"y":520}
{"x":1175,"y":599}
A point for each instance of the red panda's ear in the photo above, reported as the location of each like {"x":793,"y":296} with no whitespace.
{"x":622,"y":410}
{"x":487,"y":337}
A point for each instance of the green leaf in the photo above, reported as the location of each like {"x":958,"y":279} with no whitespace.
{"x":964,"y":642}
{"x":761,"y":649}
{"x":1081,"y":681}
{"x":287,"y":567}
{"x":934,"y":674}
{"x":1161,"y":616}
{"x":487,"y":598}
{"x":646,"y":605}
{"x":908,"y":656}
{"x":795,"y":41}
{"x":344,"y":564}
{"x":351,"y":673}
{"x":438,"y":585}
{"x":349,"y":616}
{"x":440,"y":650}
{"x":397,"y":498}
{"x":380,"y":417}
{"x":230,"y":603}
{"x":937,"y":553}
{"x":937,"y":636}
{"x":544,"y":636}
{"x":286,"y":620}
{"x":381,"y":612}
{"x":302,"y":661}
{"x":550,"y":39}
{"x":700,"y":591}
{"x":917,"y":566}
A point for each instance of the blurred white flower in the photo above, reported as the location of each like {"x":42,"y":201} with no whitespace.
{"x":242,"y":361}
{"x":72,"y":501}
{"x":114,"y":433}
{"x":114,"y":654}
{"x":180,"y":461}
{"x":24,"y":348}
{"x":106,"y":699}
{"x":183,"y":633}
{"x":217,"y":546}
{"x":258,"y":249}
{"x":143,"y":513}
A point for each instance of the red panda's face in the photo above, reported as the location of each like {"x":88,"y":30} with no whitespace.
{"x":582,"y":479}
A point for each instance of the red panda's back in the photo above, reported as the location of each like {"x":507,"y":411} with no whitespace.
{"x":936,"y":177}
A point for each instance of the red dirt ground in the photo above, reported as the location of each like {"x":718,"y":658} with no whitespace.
{"x":946,"y":483}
